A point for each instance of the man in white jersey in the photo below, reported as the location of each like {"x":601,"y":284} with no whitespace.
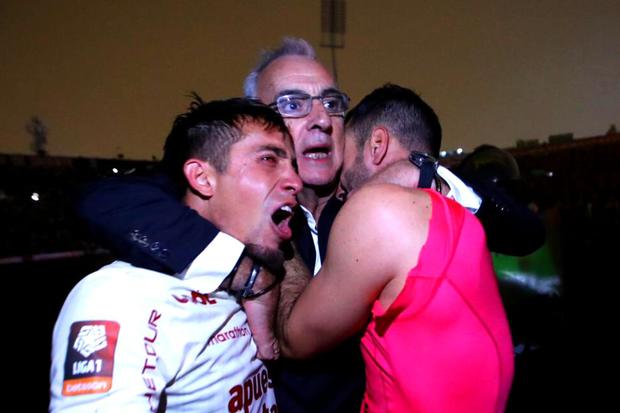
{"x":135,"y":340}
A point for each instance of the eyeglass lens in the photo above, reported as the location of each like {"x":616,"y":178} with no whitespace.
{"x":301,"y":105}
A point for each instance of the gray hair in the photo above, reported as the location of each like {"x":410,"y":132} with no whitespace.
{"x":291,"y":46}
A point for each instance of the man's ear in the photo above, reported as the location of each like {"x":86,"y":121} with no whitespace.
{"x":379,"y":143}
{"x":201,"y":177}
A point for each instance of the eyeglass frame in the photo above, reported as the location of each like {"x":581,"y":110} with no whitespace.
{"x":304,"y":95}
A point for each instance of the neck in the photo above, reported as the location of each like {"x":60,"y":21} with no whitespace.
{"x":315,"y":198}
{"x":197,"y":203}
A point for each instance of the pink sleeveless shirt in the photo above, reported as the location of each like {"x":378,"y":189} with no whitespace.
{"x":444,"y":344}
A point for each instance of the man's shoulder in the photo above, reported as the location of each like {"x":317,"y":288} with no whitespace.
{"x":389,"y":197}
{"x":117,"y":272}
{"x":381,"y":213}
{"x":114,"y":286}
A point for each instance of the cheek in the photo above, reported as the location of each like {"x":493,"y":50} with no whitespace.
{"x":294,"y":125}
{"x":254,"y":187}
{"x":348,"y":159}
{"x":339,"y":140}
{"x":341,"y":148}
{"x":248,"y":205}
{"x":349,"y":151}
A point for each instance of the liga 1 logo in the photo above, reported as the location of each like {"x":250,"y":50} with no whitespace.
{"x":90,"y":357}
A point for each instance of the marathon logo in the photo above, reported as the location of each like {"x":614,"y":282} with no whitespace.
{"x":253,"y":389}
{"x":235,"y":332}
{"x":89,"y":363}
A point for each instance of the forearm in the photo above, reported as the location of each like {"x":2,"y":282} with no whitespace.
{"x":401,"y":173}
{"x":144,"y":222}
{"x":405,"y":174}
{"x":254,"y":287}
{"x":296,"y":278}
{"x":261,"y":313}
{"x":510,"y":226}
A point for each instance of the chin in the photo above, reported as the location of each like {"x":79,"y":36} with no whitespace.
{"x":271,"y":258}
{"x":318,"y":181}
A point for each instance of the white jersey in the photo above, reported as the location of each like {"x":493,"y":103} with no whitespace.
{"x":132,"y":340}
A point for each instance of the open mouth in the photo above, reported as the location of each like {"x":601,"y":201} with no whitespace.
{"x":319,"y":152}
{"x":281,"y":218}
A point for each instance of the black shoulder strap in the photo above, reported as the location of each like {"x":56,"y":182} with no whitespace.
{"x":427,"y":174}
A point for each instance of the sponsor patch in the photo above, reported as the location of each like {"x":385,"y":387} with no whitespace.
{"x":90,"y":357}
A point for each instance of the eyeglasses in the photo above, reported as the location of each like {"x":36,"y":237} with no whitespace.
{"x":298,"y":105}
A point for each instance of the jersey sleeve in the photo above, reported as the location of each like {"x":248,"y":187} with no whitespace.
{"x":104,"y":349}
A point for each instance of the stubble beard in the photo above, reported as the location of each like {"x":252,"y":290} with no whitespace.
{"x":270,"y":258}
{"x":356,"y":175}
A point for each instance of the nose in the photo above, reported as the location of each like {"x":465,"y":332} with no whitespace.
{"x":291,"y":181}
{"x":318,"y":116}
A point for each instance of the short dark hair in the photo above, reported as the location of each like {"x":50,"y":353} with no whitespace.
{"x":403,"y":112}
{"x":208,"y":129}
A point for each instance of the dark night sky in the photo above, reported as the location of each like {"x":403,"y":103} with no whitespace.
{"x":107,"y":77}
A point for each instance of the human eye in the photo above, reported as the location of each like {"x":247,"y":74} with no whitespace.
{"x":291,"y":104}
{"x":268,"y":159}
{"x":333,"y":103}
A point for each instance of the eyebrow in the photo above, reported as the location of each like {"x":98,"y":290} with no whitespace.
{"x":275,"y":149}
{"x":329,"y":90}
